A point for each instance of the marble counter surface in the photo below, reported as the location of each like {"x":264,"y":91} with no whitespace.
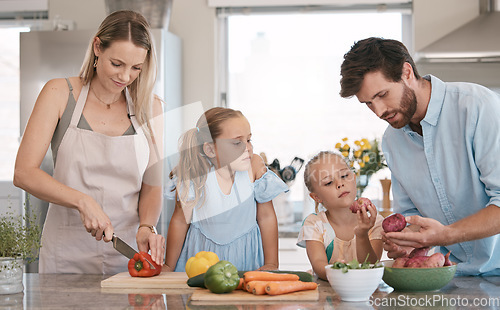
{"x":44,"y":291}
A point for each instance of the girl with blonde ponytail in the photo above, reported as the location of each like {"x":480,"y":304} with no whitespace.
{"x":335,"y":233}
{"x":223,"y":196}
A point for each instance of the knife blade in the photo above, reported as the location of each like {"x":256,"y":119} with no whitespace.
{"x":125,"y":249}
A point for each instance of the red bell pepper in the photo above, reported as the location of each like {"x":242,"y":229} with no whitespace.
{"x":138,"y":266}
{"x":139,"y":300}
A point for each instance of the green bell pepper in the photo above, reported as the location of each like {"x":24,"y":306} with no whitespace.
{"x":222,"y":277}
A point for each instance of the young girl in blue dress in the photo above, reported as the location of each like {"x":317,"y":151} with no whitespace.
{"x":223,"y":196}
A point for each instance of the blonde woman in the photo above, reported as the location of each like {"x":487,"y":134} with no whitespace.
{"x":106,"y":150}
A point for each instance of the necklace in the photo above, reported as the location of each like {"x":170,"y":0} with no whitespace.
{"x":108,"y":105}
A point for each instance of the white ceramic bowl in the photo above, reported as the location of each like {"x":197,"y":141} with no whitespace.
{"x":355,"y":284}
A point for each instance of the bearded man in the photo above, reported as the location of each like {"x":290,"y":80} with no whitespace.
{"x":442,"y":147}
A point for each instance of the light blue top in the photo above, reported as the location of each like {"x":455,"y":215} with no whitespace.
{"x":452,"y":170}
{"x":227,"y":224}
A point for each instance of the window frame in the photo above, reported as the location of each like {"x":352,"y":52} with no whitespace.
{"x":222,"y":35}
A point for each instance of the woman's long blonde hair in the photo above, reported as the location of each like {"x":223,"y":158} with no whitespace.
{"x":308,"y":176}
{"x":130,"y":26}
{"x":194,"y":165}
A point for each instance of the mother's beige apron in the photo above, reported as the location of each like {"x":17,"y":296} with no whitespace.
{"x":110,"y":170}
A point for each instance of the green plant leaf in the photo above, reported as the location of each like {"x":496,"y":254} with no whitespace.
{"x":21,"y":235}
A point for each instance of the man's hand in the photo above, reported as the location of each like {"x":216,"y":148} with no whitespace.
{"x":394,"y":250}
{"x":431,"y":233}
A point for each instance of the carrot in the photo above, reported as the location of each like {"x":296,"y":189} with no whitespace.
{"x":256,"y":287}
{"x":249,"y":286}
{"x":241,"y":285}
{"x":269,"y":276}
{"x":260,"y":287}
{"x":284,"y":287}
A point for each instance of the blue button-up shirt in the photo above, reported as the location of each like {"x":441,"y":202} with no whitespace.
{"x":453,"y":169}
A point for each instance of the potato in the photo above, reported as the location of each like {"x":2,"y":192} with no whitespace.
{"x":399,"y":262}
{"x":447,"y":261}
{"x":394,"y":223}
{"x":433,"y":261}
{"x":357,"y":204}
{"x":416,"y":262}
{"x":419,"y":252}
{"x":418,"y":259}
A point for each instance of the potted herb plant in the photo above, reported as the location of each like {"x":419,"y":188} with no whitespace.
{"x":19,"y":244}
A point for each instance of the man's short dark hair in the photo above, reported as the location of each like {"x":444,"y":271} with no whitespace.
{"x":369,"y":55}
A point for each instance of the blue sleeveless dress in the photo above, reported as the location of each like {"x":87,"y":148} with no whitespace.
{"x":227,"y":224}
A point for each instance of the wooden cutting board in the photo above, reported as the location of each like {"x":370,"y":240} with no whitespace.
{"x":239,"y":295}
{"x":163,"y":280}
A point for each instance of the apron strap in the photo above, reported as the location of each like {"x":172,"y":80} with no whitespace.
{"x":80,"y":104}
{"x":131,"y":111}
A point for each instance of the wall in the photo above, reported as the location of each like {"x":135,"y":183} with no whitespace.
{"x":195,"y":23}
{"x":87,"y":14}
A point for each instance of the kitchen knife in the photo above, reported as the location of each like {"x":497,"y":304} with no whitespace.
{"x":122,"y":247}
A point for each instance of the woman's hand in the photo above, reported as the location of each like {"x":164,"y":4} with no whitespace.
{"x":149,"y":241}
{"x":95,"y":221}
{"x":365,"y":221}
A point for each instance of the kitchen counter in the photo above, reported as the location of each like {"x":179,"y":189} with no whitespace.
{"x":67,"y":291}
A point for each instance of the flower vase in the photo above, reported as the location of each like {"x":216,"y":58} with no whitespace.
{"x":386,"y":200}
{"x":11,"y":275}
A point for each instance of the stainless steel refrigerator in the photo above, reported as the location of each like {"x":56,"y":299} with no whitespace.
{"x":57,"y":54}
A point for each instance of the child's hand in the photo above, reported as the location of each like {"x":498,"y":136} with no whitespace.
{"x":365,"y":220}
{"x":268,"y":267}
{"x":167,"y":268}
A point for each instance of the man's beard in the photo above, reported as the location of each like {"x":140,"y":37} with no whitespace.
{"x":408,"y":107}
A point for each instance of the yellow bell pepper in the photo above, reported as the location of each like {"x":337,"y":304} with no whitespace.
{"x":200,"y":263}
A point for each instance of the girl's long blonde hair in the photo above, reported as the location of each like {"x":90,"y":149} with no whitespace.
{"x":194,"y":165}
{"x":130,"y":26}
{"x":308,"y":176}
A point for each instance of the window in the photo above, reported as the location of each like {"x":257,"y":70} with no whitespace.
{"x":284,"y":73}
{"x":9,"y":100}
